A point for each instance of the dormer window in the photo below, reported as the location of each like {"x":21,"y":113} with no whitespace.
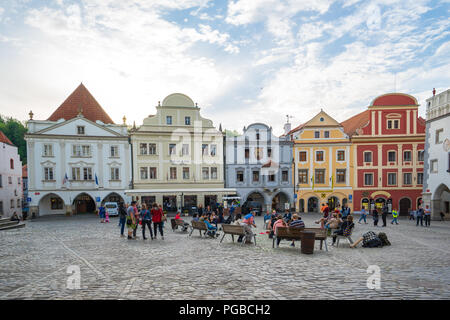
{"x":393,"y":124}
{"x":316,"y":134}
{"x":169,"y":120}
{"x":80,"y":129}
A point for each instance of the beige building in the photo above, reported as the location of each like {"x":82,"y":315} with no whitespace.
{"x":177,"y":157}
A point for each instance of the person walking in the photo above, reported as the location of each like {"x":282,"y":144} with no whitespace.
{"x":375,"y":217}
{"x":384,"y":213}
{"x":427,"y":215}
{"x":122,"y":218}
{"x":363,"y":216}
{"x":394,"y":216}
{"x":146,"y":221}
{"x":138,"y":218}
{"x":157,"y":214}
{"x":101,"y":213}
{"x":419,"y":217}
{"x":131,"y":219}
{"x":442,"y":216}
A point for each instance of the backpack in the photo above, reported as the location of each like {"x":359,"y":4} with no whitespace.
{"x":384,"y":239}
{"x":373,"y":243}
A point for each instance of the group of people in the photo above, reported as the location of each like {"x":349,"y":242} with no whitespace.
{"x":337,"y":222}
{"x":421,"y":215}
{"x":132,"y":217}
{"x":274,"y":220}
{"x":376,"y":212}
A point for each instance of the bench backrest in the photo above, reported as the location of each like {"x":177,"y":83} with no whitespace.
{"x":320,"y":233}
{"x":233,"y":229}
{"x":289,"y":232}
{"x":199,"y":225}
{"x":179,"y":222}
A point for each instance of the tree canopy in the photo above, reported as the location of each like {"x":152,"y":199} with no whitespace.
{"x":15,"y":131}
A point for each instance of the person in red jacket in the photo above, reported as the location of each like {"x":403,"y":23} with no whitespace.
{"x":157,"y":220}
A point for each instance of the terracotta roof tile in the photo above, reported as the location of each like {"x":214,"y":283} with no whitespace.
{"x":355,"y":122}
{"x":81,"y":98}
{"x":4,"y":139}
{"x":394,"y":99}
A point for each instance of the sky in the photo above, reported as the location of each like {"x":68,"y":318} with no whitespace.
{"x":242,"y":61}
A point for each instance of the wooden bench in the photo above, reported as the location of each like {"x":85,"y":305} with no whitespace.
{"x":200,"y":226}
{"x":178,"y":223}
{"x":235,"y":230}
{"x":296,"y":234}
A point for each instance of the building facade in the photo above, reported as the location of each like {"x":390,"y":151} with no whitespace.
{"x":177,"y":157}
{"x":322,"y":164}
{"x":77,"y":158}
{"x":258,"y":166}
{"x":388,"y":142}
{"x":436,"y":188}
{"x":10,"y":178}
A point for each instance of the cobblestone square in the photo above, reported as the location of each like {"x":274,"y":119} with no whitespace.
{"x":34,"y":262}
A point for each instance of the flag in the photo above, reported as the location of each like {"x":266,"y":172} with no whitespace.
{"x":332,"y":182}
{"x":96,"y":181}
{"x":65,"y":180}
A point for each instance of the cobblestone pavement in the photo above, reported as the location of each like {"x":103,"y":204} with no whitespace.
{"x":34,"y":262}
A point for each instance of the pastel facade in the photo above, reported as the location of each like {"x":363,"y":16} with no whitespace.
{"x":436,"y":188}
{"x":177,"y":157}
{"x":322,"y":164}
{"x":75,"y":160}
{"x":10,"y":178}
{"x":258,"y":166}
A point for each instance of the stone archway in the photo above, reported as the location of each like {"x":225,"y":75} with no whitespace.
{"x":279,"y":201}
{"x":84,"y":203}
{"x":405,"y":205}
{"x":440,"y":201}
{"x":313,"y":204}
{"x":112,"y":197}
{"x":51,"y":204}
{"x":333,"y":202}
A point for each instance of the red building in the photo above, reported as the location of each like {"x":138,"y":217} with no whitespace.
{"x":388,"y":142}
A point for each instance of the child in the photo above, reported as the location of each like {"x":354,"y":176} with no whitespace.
{"x":106,"y":216}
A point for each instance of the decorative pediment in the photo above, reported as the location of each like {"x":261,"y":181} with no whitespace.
{"x":393,"y":115}
{"x":48,"y":163}
{"x":81,"y":164}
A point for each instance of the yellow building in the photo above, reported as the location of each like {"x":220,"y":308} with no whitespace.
{"x":323,"y":170}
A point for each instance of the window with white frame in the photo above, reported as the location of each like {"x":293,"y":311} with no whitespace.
{"x":319,"y":156}
{"x":114,"y":151}
{"x":205,"y":149}
{"x":341,"y":155}
{"x":152,"y":171}
{"x":419,"y":177}
{"x":420,"y":155}
{"x":240,"y":176}
{"x":81,"y":150}
{"x":407,"y":155}
{"x":317,"y":134}
{"x":187,"y":121}
{"x":9,"y":180}
{"x":434,"y":166}
{"x":393,"y":124}
{"x":172,"y":149}
{"x":407,"y":178}
{"x":368,"y":179}
{"x":284,"y":175}
{"x":271,"y":176}
{"x":302,"y":156}
{"x":48,"y":174}
{"x":368,"y":156}
{"x":303,"y":176}
{"x":115,"y":174}
{"x":213,"y":173}
{"x":80,"y":130}
{"x":392,"y":179}
{"x":341,"y":175}
{"x":213,"y":150}
{"x":173,"y":173}
{"x":185,"y":150}
{"x":169,"y":120}
{"x":143,"y":173}
{"x":255,"y":175}
{"x":326,"y":134}
{"x":152,"y":148}
{"x":205,"y":173}
{"x":439,"y":136}
{"x":143,"y":148}
{"x":392,"y":156}
{"x":186,"y":175}
{"x":76,"y":173}
{"x":87,"y":173}
{"x":48,"y":150}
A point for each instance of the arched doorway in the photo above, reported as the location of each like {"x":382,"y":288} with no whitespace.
{"x":51,"y":204}
{"x":365,"y":203}
{"x":380,"y":202}
{"x":254,"y":200}
{"x":333,"y":203}
{"x":313,"y":204}
{"x":112,"y":197}
{"x":83,"y":203}
{"x":279,"y":201}
{"x":301,"y":205}
{"x":405,"y":206}
{"x":440,"y":201}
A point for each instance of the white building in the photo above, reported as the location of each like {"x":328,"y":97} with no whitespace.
{"x":77,"y":158}
{"x":436,"y":187}
{"x":10,"y":178}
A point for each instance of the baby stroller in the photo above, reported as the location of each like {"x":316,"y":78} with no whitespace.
{"x":212,"y":231}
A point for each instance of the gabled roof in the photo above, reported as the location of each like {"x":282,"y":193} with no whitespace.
{"x":294,"y":130}
{"x":4,"y":139}
{"x":394,"y":99}
{"x":356,"y":122}
{"x":81,"y":99}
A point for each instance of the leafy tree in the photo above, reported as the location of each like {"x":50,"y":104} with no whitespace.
{"x":15,"y":131}
{"x":230,"y":133}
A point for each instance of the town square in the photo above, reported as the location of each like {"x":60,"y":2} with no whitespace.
{"x":224,"y":150}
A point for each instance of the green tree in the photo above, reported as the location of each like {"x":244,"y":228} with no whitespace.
{"x":231,"y":133}
{"x":15,"y":131}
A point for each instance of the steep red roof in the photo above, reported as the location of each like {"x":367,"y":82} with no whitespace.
{"x":24,"y":171}
{"x":295,"y":129}
{"x":81,"y":98}
{"x":394,"y":99}
{"x":4,"y":139}
{"x":355,"y":122}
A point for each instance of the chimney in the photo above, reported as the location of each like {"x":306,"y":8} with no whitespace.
{"x":287,"y":127}
{"x":434,"y":92}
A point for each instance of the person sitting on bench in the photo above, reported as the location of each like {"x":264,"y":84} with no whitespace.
{"x":185,"y":224}
{"x":212,"y":231}
{"x":296,"y":222}
{"x":346,"y":228}
{"x":279,"y":223}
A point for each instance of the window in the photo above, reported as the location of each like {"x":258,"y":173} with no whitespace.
{"x":368,"y":179}
{"x":419,"y":177}
{"x":15,"y":192}
{"x":255,"y":175}
{"x":213,"y":173}
{"x":48,"y":174}
{"x":420,"y":155}
{"x":392,"y":156}
{"x":341,"y":155}
{"x":144,"y":173}
{"x":185,"y":150}
{"x":152,"y":148}
{"x":340,"y":175}
{"x":407,"y":156}
{"x":114,"y":151}
{"x":368,"y":156}
{"x":205,"y":149}
{"x":259,"y":153}
{"x":1,"y":181}
{"x":9,"y":180}
{"x":87,"y":173}
{"x":153,"y":173}
{"x":271,"y":176}
{"x":12,"y":203}
{"x":302,"y":156}
{"x":269,"y":152}
{"x":81,"y":150}
{"x":172,"y":149}
{"x":284,"y":175}
{"x":187,"y":121}
{"x":320,"y":176}
{"x":303,"y":176}
{"x":56,"y":203}
{"x":18,"y":203}
{"x":213,"y":150}
{"x":247,"y":153}
{"x":115,"y":174}
{"x":393,"y":124}
{"x":257,"y":136}
{"x":434,"y":166}
{"x":326,"y":134}
{"x":316,"y":134}
{"x":11,"y":163}
{"x":173,"y":173}
{"x":168,"y":119}
{"x":439,"y":135}
{"x":76,"y":173}
{"x":407,"y":178}
{"x":48,"y":150}
{"x":80,"y":129}
{"x":392,"y":178}
{"x":319,"y":155}
{"x":186,"y":173}
{"x":205,"y":173}
{"x":143,"y":148}
{"x":240,"y":176}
